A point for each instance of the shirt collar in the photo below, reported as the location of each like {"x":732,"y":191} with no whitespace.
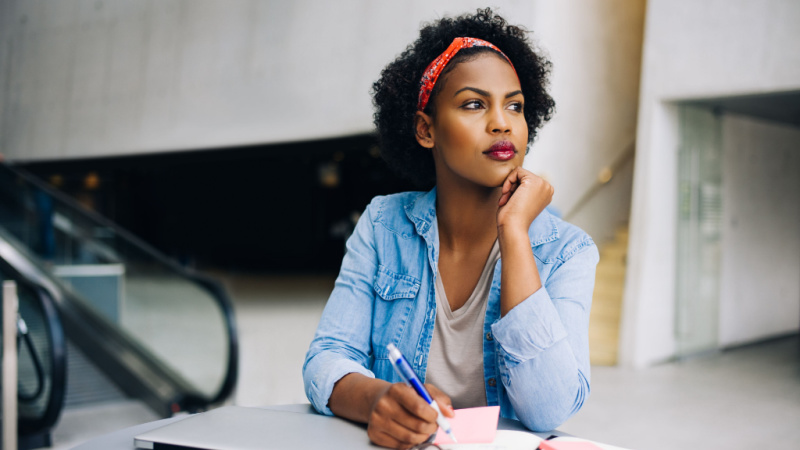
{"x":421,"y":211}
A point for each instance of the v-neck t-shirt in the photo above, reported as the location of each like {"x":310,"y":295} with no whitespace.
{"x":455,"y":361}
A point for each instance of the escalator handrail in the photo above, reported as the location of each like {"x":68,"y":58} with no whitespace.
{"x":216,"y":290}
{"x":75,"y":206}
{"x":58,"y":355}
{"x":132,"y":367}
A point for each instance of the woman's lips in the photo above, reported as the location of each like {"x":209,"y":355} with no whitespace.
{"x":501,"y":151}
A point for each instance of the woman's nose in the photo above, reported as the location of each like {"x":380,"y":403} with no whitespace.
{"x":498,"y":122}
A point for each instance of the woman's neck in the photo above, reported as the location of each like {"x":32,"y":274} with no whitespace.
{"x":466,"y":214}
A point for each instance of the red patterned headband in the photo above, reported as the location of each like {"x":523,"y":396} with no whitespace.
{"x":435,"y":68}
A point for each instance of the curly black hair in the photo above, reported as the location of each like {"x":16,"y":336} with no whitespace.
{"x":396,"y":93}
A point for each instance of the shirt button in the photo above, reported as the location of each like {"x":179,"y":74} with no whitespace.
{"x":488,"y":335}
{"x":492,"y":382}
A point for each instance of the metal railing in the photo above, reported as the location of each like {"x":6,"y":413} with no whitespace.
{"x":162,"y":312}
{"x":605,"y":175}
{"x":41,"y":359}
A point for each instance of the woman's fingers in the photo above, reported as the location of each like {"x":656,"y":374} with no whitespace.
{"x":387,"y":432}
{"x":413,"y":403}
{"x":399,"y":432}
{"x":510,"y":185}
{"x":413,"y":425}
{"x":442,"y":399}
{"x":387,"y":440}
{"x":401,"y":418}
{"x":511,"y":180}
{"x":524,"y":196}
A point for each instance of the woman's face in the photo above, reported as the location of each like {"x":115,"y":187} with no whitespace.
{"x":479,"y":133}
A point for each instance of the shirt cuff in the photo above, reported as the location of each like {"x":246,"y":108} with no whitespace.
{"x":529,"y":328}
{"x":322,"y":386}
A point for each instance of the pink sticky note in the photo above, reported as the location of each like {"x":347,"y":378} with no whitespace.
{"x":472,"y":426}
{"x":566,"y":445}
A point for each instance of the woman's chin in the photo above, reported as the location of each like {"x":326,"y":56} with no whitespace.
{"x":499,"y":176}
{"x":494,"y":183}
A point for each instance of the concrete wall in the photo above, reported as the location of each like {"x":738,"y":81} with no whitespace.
{"x":760,"y":279}
{"x":110,"y":77}
{"x":596,"y":49}
{"x":691,"y":50}
{"x":84,"y":78}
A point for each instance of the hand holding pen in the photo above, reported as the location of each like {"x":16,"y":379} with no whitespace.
{"x":405,"y":371}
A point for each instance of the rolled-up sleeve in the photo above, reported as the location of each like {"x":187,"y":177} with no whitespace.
{"x":544,"y":346}
{"x":341,"y":344}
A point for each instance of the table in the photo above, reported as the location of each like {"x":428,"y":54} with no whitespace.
{"x":123,"y":439}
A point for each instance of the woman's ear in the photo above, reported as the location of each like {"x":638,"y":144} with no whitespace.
{"x":423,"y":129}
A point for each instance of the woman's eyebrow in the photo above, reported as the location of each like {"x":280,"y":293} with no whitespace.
{"x":476,"y":90}
{"x":485,"y":93}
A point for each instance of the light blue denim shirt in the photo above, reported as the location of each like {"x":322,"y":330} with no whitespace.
{"x":535,"y":358}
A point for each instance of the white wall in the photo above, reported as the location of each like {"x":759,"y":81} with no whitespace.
{"x":691,"y":50}
{"x":760,"y":278}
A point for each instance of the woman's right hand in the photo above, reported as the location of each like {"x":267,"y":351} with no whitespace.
{"x":400,"y":418}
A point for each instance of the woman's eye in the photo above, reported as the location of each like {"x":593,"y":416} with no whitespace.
{"x":472,"y":104}
{"x":516,"y":106}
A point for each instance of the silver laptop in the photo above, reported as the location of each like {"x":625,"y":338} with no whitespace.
{"x":241,"y":428}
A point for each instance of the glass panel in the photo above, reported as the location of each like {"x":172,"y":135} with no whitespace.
{"x":699,"y":231}
{"x":174,"y":317}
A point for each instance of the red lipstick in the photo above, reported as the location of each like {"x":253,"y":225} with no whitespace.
{"x":501,"y":151}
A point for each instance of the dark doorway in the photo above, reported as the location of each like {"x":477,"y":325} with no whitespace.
{"x":282,"y":208}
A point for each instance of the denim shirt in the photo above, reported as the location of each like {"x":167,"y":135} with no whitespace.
{"x":535,"y":358}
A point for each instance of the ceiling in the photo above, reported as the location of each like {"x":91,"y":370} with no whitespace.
{"x":779,"y":107}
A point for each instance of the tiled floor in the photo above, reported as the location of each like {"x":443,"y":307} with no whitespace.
{"x":738,"y":399}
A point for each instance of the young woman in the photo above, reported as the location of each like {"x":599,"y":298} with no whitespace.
{"x":485,"y":293}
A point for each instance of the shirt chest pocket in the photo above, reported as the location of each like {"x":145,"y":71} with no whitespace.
{"x":395,"y":294}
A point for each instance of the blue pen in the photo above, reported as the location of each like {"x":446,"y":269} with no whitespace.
{"x":403,"y":368}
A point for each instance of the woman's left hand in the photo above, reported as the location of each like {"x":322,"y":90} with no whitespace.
{"x":524,"y":197}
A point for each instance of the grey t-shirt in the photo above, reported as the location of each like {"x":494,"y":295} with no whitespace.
{"x":455,"y":362}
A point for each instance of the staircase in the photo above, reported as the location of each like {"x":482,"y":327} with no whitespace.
{"x":604,"y":320}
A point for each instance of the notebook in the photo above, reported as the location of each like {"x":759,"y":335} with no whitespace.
{"x":241,"y":428}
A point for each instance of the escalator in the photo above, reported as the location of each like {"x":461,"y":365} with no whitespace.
{"x":41,"y":353}
{"x":161,"y":333}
